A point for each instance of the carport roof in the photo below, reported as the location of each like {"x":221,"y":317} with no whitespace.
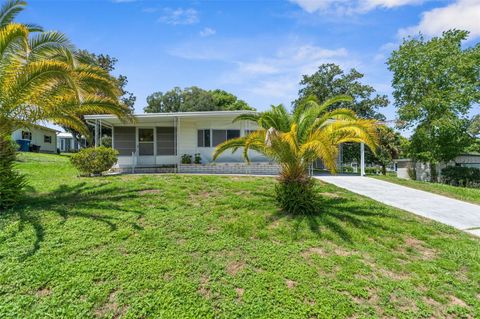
{"x":149,"y":117}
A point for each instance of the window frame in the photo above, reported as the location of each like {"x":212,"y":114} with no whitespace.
{"x":203,"y":130}
{"x":47,"y":137}
{"x":28,"y":134}
{"x":226,"y":135}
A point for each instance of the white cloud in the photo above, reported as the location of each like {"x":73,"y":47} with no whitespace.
{"x":179,"y":16}
{"x":346,"y":7}
{"x":206,"y":32}
{"x":463,"y":14}
{"x":260,"y":72}
{"x":278,"y":76}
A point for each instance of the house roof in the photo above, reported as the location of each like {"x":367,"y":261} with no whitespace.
{"x":41,"y":127}
{"x":148,"y":117}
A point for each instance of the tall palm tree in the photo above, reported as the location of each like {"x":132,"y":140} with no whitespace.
{"x":296,"y":140}
{"x":9,"y":11}
{"x":41,"y":79}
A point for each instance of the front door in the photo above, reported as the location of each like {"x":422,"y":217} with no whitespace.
{"x":146,"y":146}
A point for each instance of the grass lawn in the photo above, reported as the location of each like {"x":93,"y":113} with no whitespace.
{"x":178,"y":246}
{"x":471,"y":195}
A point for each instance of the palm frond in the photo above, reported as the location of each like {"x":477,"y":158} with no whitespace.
{"x":9,"y":11}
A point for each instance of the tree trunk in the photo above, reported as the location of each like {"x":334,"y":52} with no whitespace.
{"x":384,"y":169}
{"x":433,"y":172}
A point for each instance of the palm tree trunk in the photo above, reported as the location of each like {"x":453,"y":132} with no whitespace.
{"x":384,"y":169}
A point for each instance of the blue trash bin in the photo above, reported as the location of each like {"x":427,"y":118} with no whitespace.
{"x":24,"y":145}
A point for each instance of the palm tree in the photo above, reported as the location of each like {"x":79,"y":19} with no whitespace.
{"x":296,"y":140}
{"x":9,"y":11}
{"x":389,"y":145}
{"x":41,"y":79}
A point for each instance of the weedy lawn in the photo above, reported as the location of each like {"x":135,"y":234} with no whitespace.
{"x":179,"y":246}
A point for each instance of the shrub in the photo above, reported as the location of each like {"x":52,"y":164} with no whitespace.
{"x":346,"y":169}
{"x":186,"y":159}
{"x":12,"y":183}
{"x":412,"y":172}
{"x":198,"y":159}
{"x":461,"y":176}
{"x":371,"y":171}
{"x":296,"y":197}
{"x":94,"y":160}
{"x":106,"y":141}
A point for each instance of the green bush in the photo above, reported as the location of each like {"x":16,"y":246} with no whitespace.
{"x":106,"y":141}
{"x":12,"y":183}
{"x":346,"y":169}
{"x":186,"y":159}
{"x":461,"y":176}
{"x":371,"y":171}
{"x":94,"y":160}
{"x":198,"y":158}
{"x":296,"y":197}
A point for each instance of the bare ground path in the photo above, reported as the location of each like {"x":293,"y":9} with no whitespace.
{"x":456,"y":213}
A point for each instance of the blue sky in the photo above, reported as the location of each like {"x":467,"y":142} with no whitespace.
{"x":257,"y":50}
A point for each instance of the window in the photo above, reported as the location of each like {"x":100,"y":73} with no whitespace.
{"x":47,"y":139}
{"x":203,"y":138}
{"x":248,"y":132}
{"x":220,"y":136}
{"x":145,"y":135}
{"x":26,"y":135}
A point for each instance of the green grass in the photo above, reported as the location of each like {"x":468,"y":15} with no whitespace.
{"x":462,"y":193}
{"x":178,"y":246}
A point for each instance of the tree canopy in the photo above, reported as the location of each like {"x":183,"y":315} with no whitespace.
{"x":193,"y":99}
{"x":108,"y":63}
{"x":330,"y":80}
{"x":436,"y":83}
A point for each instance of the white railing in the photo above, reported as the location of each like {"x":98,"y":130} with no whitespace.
{"x":134,"y":161}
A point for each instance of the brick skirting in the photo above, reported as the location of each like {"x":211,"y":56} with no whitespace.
{"x":231,"y":168}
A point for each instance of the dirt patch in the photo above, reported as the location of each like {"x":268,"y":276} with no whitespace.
{"x":342,"y":252}
{"x":111,"y":306}
{"x":290,"y":283}
{"x":419,"y":246}
{"x":235,"y":267}
{"x":204,"y":290}
{"x":43,"y":292}
{"x":457,"y":301}
{"x":149,"y":191}
{"x":240,"y":292}
{"x":403,"y":303}
{"x":314,"y":251}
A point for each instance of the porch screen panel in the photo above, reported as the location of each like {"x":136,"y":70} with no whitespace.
{"x":166,"y":143}
{"x":124,"y":140}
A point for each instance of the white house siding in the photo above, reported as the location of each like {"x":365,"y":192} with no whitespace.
{"x":186,"y":143}
{"x":187,"y":140}
{"x":38,"y":135}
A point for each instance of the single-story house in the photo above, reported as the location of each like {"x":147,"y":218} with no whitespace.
{"x":158,"y":140}
{"x":66,"y":142}
{"x":406,"y":166}
{"x":36,"y":138}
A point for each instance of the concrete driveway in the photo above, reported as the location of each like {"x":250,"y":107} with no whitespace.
{"x":461,"y":215}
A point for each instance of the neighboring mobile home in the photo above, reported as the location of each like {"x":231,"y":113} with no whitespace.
{"x":66,"y":142}
{"x":39,"y":138}
{"x":406,"y":167}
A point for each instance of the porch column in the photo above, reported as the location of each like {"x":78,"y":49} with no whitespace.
{"x":362,"y":159}
{"x":96,"y":133}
